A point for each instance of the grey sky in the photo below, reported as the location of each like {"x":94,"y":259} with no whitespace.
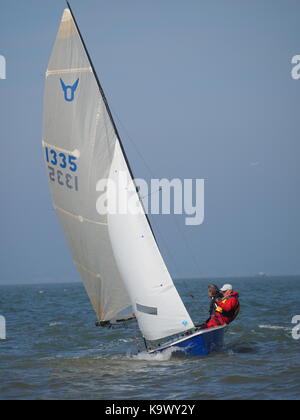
{"x":204,"y":89}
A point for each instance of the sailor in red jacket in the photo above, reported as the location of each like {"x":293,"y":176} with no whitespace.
{"x":227,"y":308}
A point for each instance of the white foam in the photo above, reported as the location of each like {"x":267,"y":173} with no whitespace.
{"x":161,"y":356}
{"x":54,"y":324}
{"x":274,"y":327}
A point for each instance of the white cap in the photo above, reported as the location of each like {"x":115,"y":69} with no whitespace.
{"x":226,"y":287}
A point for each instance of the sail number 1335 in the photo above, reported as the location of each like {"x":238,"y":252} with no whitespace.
{"x":59,"y":163}
{"x":61,"y":159}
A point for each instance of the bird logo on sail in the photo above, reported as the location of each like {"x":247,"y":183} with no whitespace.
{"x":70,"y":90}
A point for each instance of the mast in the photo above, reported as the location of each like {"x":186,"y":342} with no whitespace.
{"x":110,"y":116}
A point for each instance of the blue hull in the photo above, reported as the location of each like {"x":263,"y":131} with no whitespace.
{"x":200,"y":343}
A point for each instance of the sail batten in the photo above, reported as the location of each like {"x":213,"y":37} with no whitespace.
{"x":81,"y":219}
{"x":66,"y":71}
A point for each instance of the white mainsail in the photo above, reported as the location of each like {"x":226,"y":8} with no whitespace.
{"x":79,"y":142}
{"x":116,"y":254}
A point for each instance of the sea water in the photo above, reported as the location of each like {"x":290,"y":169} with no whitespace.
{"x":54,"y":351}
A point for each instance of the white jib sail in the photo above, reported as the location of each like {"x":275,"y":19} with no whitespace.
{"x":158,"y":307}
{"x":116,"y":254}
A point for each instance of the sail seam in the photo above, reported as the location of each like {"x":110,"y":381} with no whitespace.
{"x":66,"y":71}
{"x":77,"y":217}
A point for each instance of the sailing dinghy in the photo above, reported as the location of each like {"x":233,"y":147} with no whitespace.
{"x":116,"y":254}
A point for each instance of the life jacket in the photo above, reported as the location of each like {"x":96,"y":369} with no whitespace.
{"x":228,"y":316}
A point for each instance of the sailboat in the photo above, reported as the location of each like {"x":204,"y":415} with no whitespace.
{"x":117,"y":255}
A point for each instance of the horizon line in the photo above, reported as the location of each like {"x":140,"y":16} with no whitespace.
{"x":253,"y":276}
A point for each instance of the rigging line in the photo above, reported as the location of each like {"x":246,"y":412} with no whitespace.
{"x":151,"y":173}
{"x":153,"y":176}
{"x":151,"y":193}
{"x":195,"y":261}
{"x":171,"y":256}
{"x":185,"y":240}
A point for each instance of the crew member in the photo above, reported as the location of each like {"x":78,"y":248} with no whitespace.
{"x":226,"y":308}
